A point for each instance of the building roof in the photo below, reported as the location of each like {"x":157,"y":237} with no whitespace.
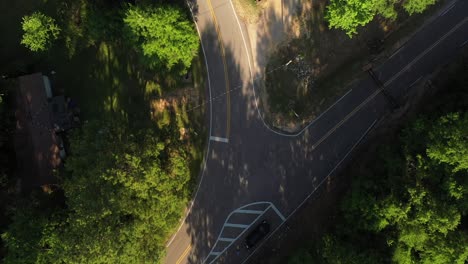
{"x":36,"y":144}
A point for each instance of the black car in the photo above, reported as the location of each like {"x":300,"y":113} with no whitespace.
{"x":257,"y":234}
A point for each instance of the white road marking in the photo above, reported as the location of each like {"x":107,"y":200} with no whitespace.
{"x":417,"y":80}
{"x":446,"y":10}
{"x":219,"y":139}
{"x":397,"y":51}
{"x":210,"y":129}
{"x":277,"y":212}
{"x":236,"y":225}
{"x":402,"y":46}
{"x":237,"y":211}
{"x":248,"y":211}
{"x":315,"y":189}
{"x":409,"y":65}
{"x":253,"y":87}
{"x":464,"y":43}
{"x":226,"y":239}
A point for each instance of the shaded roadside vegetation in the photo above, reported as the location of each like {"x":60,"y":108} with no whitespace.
{"x":7,"y":157}
{"x":329,"y":48}
{"x":133,"y":163}
{"x":408,"y":198}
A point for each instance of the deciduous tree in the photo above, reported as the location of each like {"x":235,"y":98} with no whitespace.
{"x":39,"y":31}
{"x":417,"y":6}
{"x":349,"y":15}
{"x":125,"y":192}
{"x":163,"y":35}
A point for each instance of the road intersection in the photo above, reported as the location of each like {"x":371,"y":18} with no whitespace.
{"x":253,"y":172}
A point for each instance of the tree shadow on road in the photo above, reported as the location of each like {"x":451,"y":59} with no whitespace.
{"x":256,"y":165}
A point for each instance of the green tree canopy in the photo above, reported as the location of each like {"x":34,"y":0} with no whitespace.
{"x":164,"y":36}
{"x":124,"y":193}
{"x":449,"y":141}
{"x":39,"y":31}
{"x":349,"y":15}
{"x":417,"y":6}
{"x":411,"y":206}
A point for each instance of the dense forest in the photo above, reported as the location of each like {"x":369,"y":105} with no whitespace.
{"x":129,"y":175}
{"x":121,"y":201}
{"x":408,"y":202}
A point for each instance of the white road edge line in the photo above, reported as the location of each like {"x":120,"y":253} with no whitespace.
{"x":315,"y":189}
{"x":417,"y":80}
{"x":210,"y":129}
{"x":447,"y":10}
{"x":219,"y":139}
{"x":464,"y":43}
{"x":255,"y":95}
{"x":396,"y":51}
{"x":394,"y":77}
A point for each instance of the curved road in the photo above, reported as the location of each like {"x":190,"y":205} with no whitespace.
{"x":253,"y":173}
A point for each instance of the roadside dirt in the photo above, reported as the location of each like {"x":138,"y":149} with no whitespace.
{"x":276,"y":22}
{"x":271,"y":25}
{"x":321,"y":61}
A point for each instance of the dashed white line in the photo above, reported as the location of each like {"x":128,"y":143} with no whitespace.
{"x":397,"y":51}
{"x":409,"y":65}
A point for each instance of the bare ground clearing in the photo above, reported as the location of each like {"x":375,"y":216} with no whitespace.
{"x":320,"y":62}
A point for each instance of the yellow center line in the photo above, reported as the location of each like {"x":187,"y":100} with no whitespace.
{"x":223,"y":56}
{"x":186,"y":251}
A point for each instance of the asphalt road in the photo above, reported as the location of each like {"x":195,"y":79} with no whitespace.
{"x":254,"y":173}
